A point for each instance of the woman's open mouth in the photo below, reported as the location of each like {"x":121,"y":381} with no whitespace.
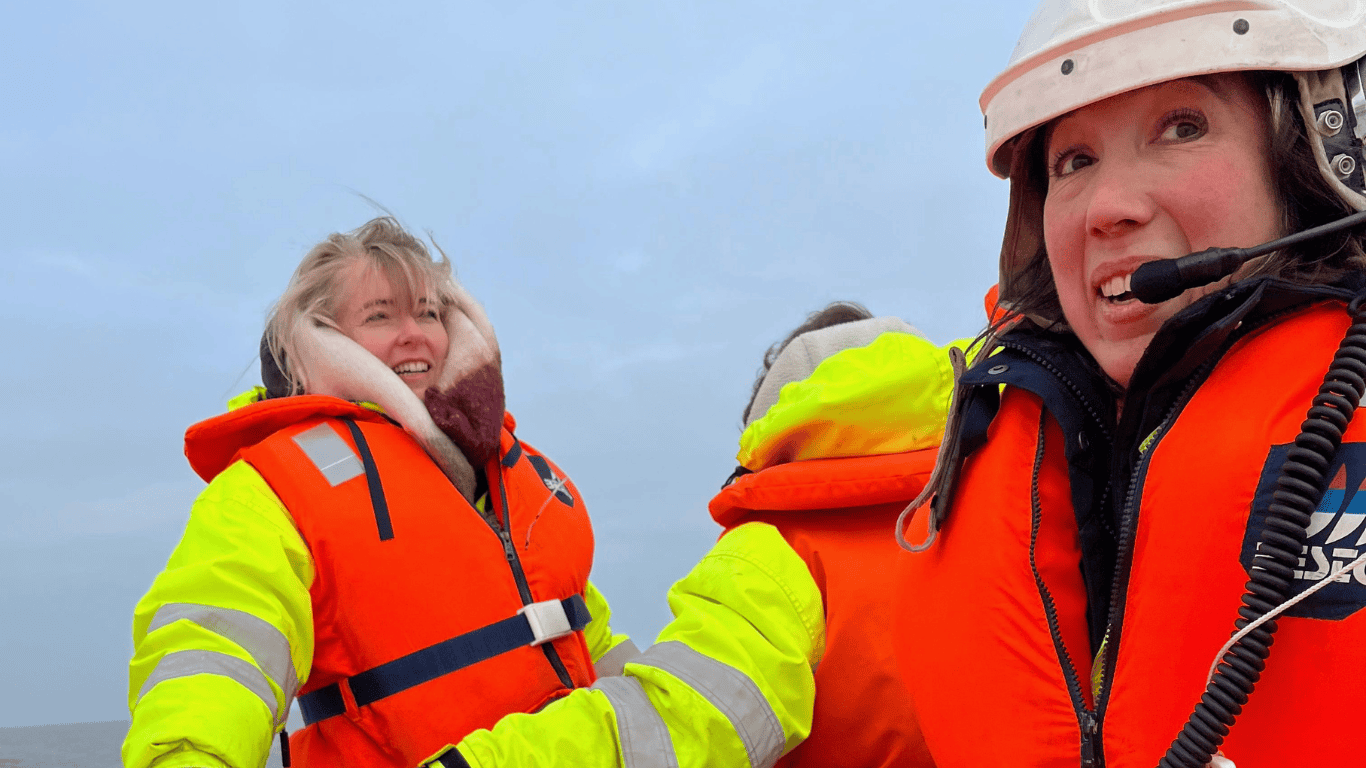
{"x":1117,"y":289}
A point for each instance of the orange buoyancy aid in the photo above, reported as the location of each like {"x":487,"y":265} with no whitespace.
{"x":995,"y":648}
{"x":403,"y":562}
{"x":839,"y":515}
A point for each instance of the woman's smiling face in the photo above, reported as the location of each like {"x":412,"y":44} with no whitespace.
{"x":1152,"y":174}
{"x":405,"y":332}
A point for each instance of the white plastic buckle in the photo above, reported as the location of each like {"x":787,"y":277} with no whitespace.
{"x":547,"y":619}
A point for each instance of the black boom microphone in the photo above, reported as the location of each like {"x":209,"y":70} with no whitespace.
{"x":1157,"y":281}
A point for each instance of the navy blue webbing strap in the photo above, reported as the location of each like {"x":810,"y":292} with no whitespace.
{"x":386,"y":527}
{"x":451,"y":758}
{"x":514,"y":453}
{"x":284,"y":748}
{"x":434,"y":661}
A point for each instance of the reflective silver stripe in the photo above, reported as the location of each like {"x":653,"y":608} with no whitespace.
{"x":186,"y":663}
{"x":729,"y":690}
{"x":612,"y":662}
{"x":266,"y":644}
{"x":330,"y":454}
{"x":645,"y":741}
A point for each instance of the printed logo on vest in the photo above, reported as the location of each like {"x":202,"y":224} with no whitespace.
{"x":1336,"y":535}
{"x":556,"y":485}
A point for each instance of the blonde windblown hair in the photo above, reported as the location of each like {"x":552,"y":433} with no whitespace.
{"x":315,"y":288}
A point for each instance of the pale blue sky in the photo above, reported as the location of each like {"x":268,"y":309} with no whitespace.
{"x":644,"y":196}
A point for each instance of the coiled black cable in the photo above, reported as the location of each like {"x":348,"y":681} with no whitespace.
{"x":1299,"y":489}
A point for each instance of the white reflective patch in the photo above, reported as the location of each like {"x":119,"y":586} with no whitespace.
{"x":729,"y":690}
{"x":266,"y":644}
{"x":330,"y":454}
{"x":645,"y":741}
{"x":187,"y":663}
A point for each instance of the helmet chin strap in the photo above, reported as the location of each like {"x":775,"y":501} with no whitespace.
{"x":331,"y":363}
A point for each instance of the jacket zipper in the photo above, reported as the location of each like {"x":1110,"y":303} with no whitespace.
{"x":503,"y":522}
{"x":1128,"y":526}
{"x":1091,"y":411}
{"x":1089,"y":721}
{"x":1086,"y":719}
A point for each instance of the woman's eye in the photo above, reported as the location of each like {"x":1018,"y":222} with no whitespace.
{"x":1183,"y":131}
{"x":1071,"y":161}
{"x":376,"y":317}
{"x":1184,"y":125}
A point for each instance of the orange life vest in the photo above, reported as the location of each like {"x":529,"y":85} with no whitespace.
{"x":991,"y":680}
{"x":403,"y":563}
{"x":839,"y":516}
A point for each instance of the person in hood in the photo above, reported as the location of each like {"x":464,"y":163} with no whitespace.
{"x":375,"y":539}
{"x":780,"y":651}
{"x":1138,"y":467}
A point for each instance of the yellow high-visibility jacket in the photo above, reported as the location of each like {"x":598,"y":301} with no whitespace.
{"x":731,"y":680}
{"x":224,"y":638}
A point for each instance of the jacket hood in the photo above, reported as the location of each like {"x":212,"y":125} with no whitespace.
{"x":887,"y":394}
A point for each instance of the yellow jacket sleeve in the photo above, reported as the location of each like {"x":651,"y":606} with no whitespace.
{"x":610,"y":651}
{"x":730,"y":681}
{"x":224,"y":638}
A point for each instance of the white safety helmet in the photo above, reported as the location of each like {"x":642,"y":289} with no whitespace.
{"x":1077,"y":52}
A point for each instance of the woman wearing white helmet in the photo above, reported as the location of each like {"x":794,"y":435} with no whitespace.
{"x":1120,"y":473}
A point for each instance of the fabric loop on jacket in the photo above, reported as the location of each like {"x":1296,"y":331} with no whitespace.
{"x":645,"y":741}
{"x":729,"y":690}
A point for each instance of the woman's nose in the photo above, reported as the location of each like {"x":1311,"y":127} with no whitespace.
{"x":1119,"y":200}
{"x":409,"y":330}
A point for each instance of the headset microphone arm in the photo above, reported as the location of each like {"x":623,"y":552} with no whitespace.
{"x":1157,"y":281}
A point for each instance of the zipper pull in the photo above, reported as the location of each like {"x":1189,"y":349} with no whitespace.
{"x":1098,"y":667}
{"x":1090,"y":752}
